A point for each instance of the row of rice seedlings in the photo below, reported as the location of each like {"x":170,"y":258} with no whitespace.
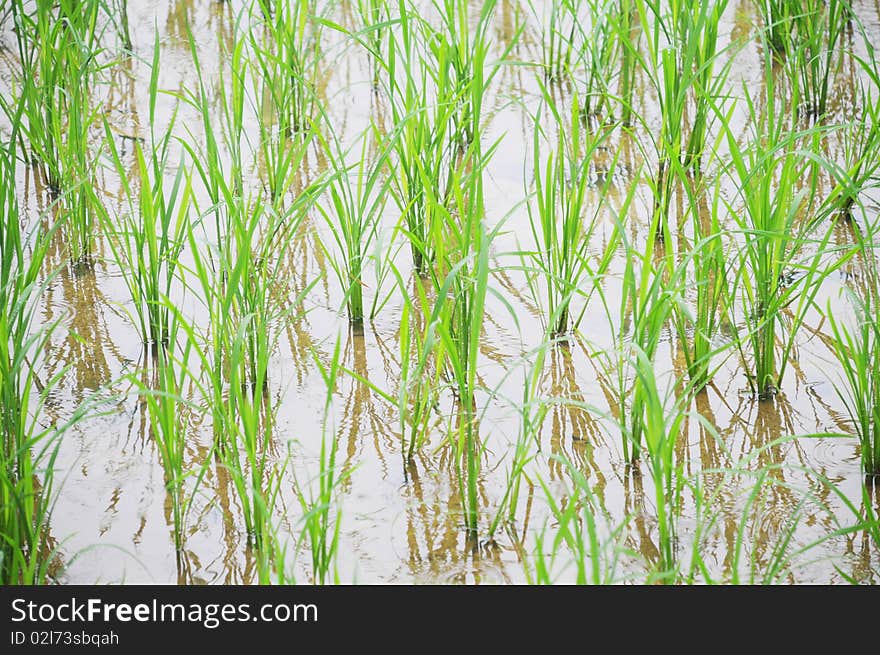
{"x":596,"y":549}
{"x":857,"y":349}
{"x":777,"y":185}
{"x":150,"y":239}
{"x":29,"y":448}
{"x":235,"y":278}
{"x":243,"y":312}
{"x":558,"y":218}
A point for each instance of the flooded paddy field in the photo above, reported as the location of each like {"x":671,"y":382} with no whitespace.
{"x":446,"y":291}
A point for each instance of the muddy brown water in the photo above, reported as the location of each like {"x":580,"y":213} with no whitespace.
{"x":111,"y":521}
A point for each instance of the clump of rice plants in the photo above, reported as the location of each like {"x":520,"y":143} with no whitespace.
{"x":709,"y":269}
{"x":374,"y":19}
{"x":459,"y":65}
{"x":627,"y":37}
{"x":777,"y":187}
{"x":58,"y":46}
{"x":814,"y":52}
{"x":560,"y":21}
{"x":861,"y":146}
{"x":680,"y":62}
{"x":778,"y":17}
{"x":287,"y":53}
{"x":421,"y":151}
{"x":151,"y":238}
{"x":357,"y":197}
{"x":462,"y":281}
{"x":532,"y":409}
{"x":598,"y":55}
{"x":560,"y":219}
{"x":857,"y":349}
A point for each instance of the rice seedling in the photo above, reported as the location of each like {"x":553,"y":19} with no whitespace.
{"x":661,"y":424}
{"x":459,"y":64}
{"x":357,"y":197}
{"x":778,"y":17}
{"x":679,"y":63}
{"x":671,"y":81}
{"x":814,"y":53}
{"x":235,"y":278}
{"x":857,"y":349}
{"x":861,"y":145}
{"x":151,"y":239}
{"x":285,"y":57}
{"x":776,"y":226}
{"x":374,"y":24}
{"x":248,"y":424}
{"x":26,"y":449}
{"x":219,"y":162}
{"x":706,"y":83}
{"x":627,"y":38}
{"x":595,"y":550}
{"x":459,"y":324}
{"x":58,"y":46}
{"x":560,"y":227}
{"x":651,"y":290}
{"x":710,"y":268}
{"x":419,"y":383}
{"x":119,"y":8}
{"x":461,"y":289}
{"x":420,"y":348}
{"x":598,"y":55}
{"x":531,"y":409}
{"x":321,"y":517}
{"x":560,"y":21}
{"x":420,"y":149}
{"x":288,"y":55}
